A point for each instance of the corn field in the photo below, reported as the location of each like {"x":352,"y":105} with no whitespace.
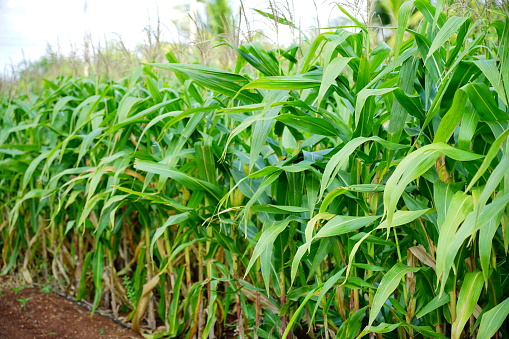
{"x":337,"y":189}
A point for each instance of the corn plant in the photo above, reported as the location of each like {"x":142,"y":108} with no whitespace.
{"x":335,"y":189}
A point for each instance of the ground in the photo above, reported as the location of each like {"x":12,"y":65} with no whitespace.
{"x":31,"y":313}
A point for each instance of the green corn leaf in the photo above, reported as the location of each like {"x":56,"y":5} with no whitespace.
{"x":31,"y":169}
{"x":279,"y":209}
{"x":298,"y":311}
{"x":363,"y":95}
{"x":493,"y":319}
{"x":468,"y":296}
{"x":90,"y":205}
{"x":382,"y":328}
{"x":159,"y":119}
{"x":141,"y":116}
{"x":332,"y":43}
{"x":414,"y":165}
{"x":343,"y":224}
{"x":296,"y":262}
{"x":482,"y":99}
{"x":435,"y":303}
{"x":229,"y":84}
{"x":473,"y":222}
{"x":389,"y":283}
{"x":260,"y":59}
{"x":180,"y":248}
{"x":172,"y":220}
{"x":402,"y":218}
{"x":283,"y":83}
{"x":59,"y":106}
{"x":452,"y":118}
{"x":267,"y":256}
{"x":205,"y":161}
{"x":330,"y":73}
{"x":98,"y":267}
{"x":323,"y":251}
{"x":242,"y":109}
{"x":82,"y":287}
{"x":14,"y":213}
{"x":492,"y":153}
{"x":467,"y":128}
{"x":330,"y":197}
{"x":175,"y":303}
{"x":81,"y":113}
{"x":341,"y":158}
{"x":427,"y":331}
{"x":258,"y":195}
{"x":326,"y":287}
{"x":461,"y":205}
{"x":267,"y":238}
{"x":308,"y":124}
{"x":211,"y":311}
{"x":125,"y":106}
{"x":155,"y":198}
{"x":450,"y":27}
{"x":351,"y":327}
{"x":262,"y":127}
{"x":404,"y":13}
{"x":183,"y":178}
{"x":429,"y":11}
{"x":494,"y":180}
{"x":492,"y":73}
{"x":404,"y":102}
{"x":301,"y":251}
{"x":443,"y":194}
{"x":486,"y":235}
{"x":312,"y":52}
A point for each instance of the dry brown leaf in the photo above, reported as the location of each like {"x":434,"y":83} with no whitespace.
{"x":423,"y":256}
{"x":143,"y":303}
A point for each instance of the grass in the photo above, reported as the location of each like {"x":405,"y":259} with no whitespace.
{"x":337,"y":188}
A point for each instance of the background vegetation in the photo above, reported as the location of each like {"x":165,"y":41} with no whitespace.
{"x":343,"y":187}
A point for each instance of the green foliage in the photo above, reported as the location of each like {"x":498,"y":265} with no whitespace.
{"x":23,"y":302}
{"x":46,"y":289}
{"x":17,"y":289}
{"x":338,"y":187}
{"x":130,"y":291}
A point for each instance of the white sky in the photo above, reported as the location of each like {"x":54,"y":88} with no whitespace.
{"x":28,"y":26}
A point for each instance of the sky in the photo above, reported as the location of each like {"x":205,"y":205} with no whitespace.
{"x":28,"y":27}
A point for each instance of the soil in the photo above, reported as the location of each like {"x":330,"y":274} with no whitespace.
{"x":31,"y":313}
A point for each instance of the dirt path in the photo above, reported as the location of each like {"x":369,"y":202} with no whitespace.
{"x":30,"y":313}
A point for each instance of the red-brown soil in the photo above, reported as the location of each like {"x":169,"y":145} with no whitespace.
{"x":48,"y":315}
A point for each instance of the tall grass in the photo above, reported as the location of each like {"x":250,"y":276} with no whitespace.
{"x":338,"y":190}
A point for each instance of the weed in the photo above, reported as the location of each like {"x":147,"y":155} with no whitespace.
{"x":24,"y":301}
{"x":131,"y":292}
{"x":46,"y":289}
{"x":17,"y":289}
